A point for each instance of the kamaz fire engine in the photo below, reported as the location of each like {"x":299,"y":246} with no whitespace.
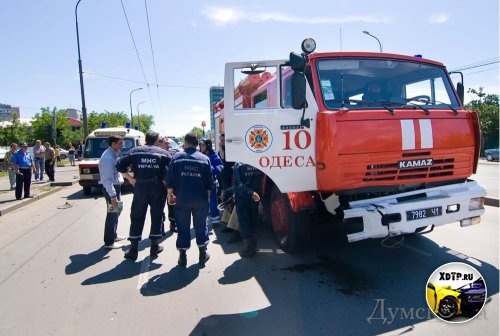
{"x":95,"y":144}
{"x":380,"y":141}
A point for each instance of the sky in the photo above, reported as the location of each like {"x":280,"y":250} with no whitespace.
{"x":192,"y":40}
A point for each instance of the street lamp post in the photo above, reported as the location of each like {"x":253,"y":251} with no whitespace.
{"x":82,"y":92}
{"x":379,"y":44}
{"x":131,"y":116}
{"x":139,"y":115}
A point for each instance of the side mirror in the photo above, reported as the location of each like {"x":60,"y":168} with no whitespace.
{"x":297,"y":62}
{"x":460,"y":91}
{"x":298,"y":90}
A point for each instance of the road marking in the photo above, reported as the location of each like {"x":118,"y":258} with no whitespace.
{"x":144,"y":275}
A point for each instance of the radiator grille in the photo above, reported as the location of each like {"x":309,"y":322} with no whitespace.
{"x":391,"y":172}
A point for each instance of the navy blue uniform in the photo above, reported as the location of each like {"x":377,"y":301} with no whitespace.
{"x":190,"y":175}
{"x":149,"y":165}
{"x":247,"y":180}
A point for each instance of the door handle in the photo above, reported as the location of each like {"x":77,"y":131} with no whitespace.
{"x":235,"y":140}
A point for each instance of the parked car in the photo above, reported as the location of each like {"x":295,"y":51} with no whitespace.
{"x":491,"y":154}
{"x":63,"y":154}
{"x":2,"y":153}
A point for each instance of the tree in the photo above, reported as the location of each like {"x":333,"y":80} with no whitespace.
{"x":42,"y":125}
{"x":15,"y":133}
{"x":487,"y":107}
{"x":145,"y":122}
{"x":198,"y":131}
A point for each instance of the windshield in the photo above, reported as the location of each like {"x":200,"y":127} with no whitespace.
{"x":374,"y":83}
{"x":94,"y":147}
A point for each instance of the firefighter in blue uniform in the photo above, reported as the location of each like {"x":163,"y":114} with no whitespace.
{"x":149,"y":164}
{"x":217,"y":166}
{"x":247,"y":194}
{"x":189,"y":182}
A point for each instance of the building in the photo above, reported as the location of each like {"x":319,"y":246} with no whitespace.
{"x":216,"y":95}
{"x":5,"y":112}
{"x":75,"y":124}
{"x":74,"y":114}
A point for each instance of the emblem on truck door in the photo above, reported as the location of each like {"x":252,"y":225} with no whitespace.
{"x":258,"y":138}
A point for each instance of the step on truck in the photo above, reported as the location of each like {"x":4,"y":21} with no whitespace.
{"x":95,"y":144}
{"x":380,"y":141}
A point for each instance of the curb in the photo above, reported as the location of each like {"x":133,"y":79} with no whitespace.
{"x":57,"y":187}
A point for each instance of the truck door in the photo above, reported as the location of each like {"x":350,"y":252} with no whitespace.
{"x":263,"y":130}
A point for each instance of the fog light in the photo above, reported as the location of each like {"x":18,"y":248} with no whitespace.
{"x":470,"y":221}
{"x":86,"y":170}
{"x":452,"y":208}
{"x":476,"y":203}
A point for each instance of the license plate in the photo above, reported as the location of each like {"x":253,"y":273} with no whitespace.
{"x":424,"y":213}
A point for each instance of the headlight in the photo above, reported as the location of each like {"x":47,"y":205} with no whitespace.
{"x":308,"y":45}
{"x":476,"y":203}
{"x":86,"y":170}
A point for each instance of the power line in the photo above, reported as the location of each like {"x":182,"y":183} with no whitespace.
{"x":477,"y":64}
{"x":152,"y":55}
{"x":475,"y":72}
{"x":145,"y":83}
{"x":136,"y":51}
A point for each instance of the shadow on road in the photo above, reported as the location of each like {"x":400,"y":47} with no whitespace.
{"x":124,"y":270}
{"x":339,"y":288}
{"x":175,"y":279}
{"x":80,"y":262}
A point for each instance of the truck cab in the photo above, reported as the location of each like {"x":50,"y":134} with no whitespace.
{"x":382,"y":139}
{"x":95,"y":144}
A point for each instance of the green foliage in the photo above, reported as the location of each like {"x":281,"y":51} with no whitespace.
{"x":198,"y":131}
{"x":17,"y":133}
{"x":42,"y":125}
{"x":487,"y":107}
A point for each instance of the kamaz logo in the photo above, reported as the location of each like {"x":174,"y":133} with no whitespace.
{"x":415,"y":163}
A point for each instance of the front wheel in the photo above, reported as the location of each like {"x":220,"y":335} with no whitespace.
{"x":489,"y":157}
{"x":291,"y":229}
{"x":447,"y":308}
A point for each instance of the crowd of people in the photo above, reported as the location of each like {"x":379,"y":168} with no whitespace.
{"x":196,"y":184}
{"x":23,"y":166}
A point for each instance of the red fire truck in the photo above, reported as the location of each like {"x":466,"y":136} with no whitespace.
{"x":380,"y":141}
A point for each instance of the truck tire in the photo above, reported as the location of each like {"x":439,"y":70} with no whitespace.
{"x":291,"y":229}
{"x":87,"y":191}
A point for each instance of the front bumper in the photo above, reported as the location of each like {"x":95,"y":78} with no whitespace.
{"x":392,"y":210}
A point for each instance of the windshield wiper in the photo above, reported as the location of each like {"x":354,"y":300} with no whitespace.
{"x":448,"y":106}
{"x":361,"y":102}
{"x":409,"y":102}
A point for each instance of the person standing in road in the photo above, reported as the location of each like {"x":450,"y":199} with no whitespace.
{"x":71,"y":154}
{"x":247,"y":184}
{"x":81,"y":149}
{"x":217,"y":166}
{"x":189,"y":183}
{"x":8,"y":165}
{"x":57,"y":152}
{"x":50,"y":160}
{"x":111,"y":180}
{"x":149,"y":165}
{"x":39,"y":152}
{"x":171,"y":209}
{"x":23,"y":165}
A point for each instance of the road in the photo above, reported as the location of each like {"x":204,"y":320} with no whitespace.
{"x":487,"y":176}
{"x":56,"y":279}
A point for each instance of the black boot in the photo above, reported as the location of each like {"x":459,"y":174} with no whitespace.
{"x":182,"y":258}
{"x":204,"y":256}
{"x":155,"y":249}
{"x":133,"y":252}
{"x":250,"y":248}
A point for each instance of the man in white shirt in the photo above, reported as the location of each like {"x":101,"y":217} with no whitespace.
{"x":111,"y":180}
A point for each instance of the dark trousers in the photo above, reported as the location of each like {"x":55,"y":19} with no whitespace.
{"x":111,"y":223}
{"x":248,"y":216}
{"x":23,"y":179}
{"x":183,"y":213}
{"x":49,"y":169}
{"x":147,"y":194}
